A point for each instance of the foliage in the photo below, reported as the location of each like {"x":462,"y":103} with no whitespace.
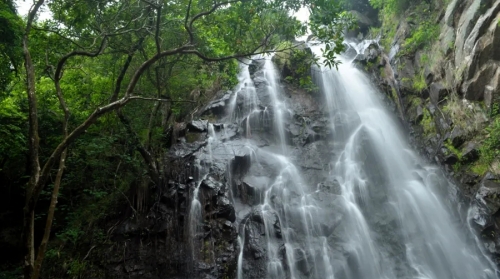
{"x":391,"y":7}
{"x":425,"y":33}
{"x":10,"y":42}
{"x":490,"y":147}
{"x":465,"y":116}
{"x":449,"y":146}
{"x":419,"y":84}
{"x":92,"y":53}
{"x":12,"y":131}
{"x":327,"y":23}
{"x":428,"y":123}
{"x":296,"y":65}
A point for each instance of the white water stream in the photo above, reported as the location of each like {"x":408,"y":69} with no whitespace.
{"x":392,"y":217}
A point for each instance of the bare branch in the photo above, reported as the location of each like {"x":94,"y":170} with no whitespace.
{"x":157,"y":33}
{"x":189,"y":28}
{"x":146,"y":155}
{"x":125,"y":67}
{"x":160,"y":100}
{"x":120,"y":78}
{"x":32,"y":13}
{"x":148,"y":63}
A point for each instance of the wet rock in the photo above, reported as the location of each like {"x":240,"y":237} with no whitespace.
{"x":457,"y":137}
{"x":212,"y":184}
{"x":488,"y":194}
{"x":447,"y":39}
{"x":345,"y":122}
{"x":252,"y":186}
{"x":474,"y":89}
{"x":480,"y":27}
{"x":242,"y":161}
{"x":176,"y":193}
{"x":217,"y":107}
{"x":451,"y":11}
{"x":437,"y":92}
{"x":416,"y":114}
{"x":225,"y":209}
{"x":253,"y":240}
{"x":470,"y":152}
{"x":465,"y":25}
{"x":369,"y":56}
{"x":198,"y":126}
{"x":330,"y":186}
{"x":450,"y":159}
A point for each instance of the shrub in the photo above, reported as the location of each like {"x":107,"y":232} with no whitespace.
{"x":425,"y":33}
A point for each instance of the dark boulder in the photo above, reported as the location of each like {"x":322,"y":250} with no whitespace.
{"x":488,"y":194}
{"x":470,"y":152}
{"x":225,"y":209}
{"x":217,"y":107}
{"x":437,"y":92}
{"x":198,"y":126}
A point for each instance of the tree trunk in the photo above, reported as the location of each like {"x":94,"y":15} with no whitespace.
{"x":34,"y":144}
{"x":50,"y":217}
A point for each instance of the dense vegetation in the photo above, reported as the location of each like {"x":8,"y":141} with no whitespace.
{"x":86,"y":121}
{"x":477,"y":122}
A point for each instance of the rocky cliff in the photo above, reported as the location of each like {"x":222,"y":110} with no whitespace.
{"x":439,"y":62}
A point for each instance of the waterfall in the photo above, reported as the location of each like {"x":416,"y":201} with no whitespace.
{"x":398,"y":222}
{"x":337,"y":192}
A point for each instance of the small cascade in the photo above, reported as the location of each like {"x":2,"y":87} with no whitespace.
{"x":241,"y":243}
{"x":245,"y":94}
{"x":195,"y":209}
{"x":211,"y":141}
{"x":276,"y":95}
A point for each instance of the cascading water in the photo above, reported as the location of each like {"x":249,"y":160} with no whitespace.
{"x":275,"y":93}
{"x":396,"y":223}
{"x":364,"y":207}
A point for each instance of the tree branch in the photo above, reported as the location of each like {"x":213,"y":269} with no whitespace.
{"x":58,"y":34}
{"x":125,"y":67}
{"x":157,"y":33}
{"x":189,"y":27}
{"x":148,"y":63}
{"x":146,"y":155}
{"x":160,"y":100}
{"x":62,"y":61}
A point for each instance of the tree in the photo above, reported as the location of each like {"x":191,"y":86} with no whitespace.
{"x":142,"y":35}
{"x":10,"y":38}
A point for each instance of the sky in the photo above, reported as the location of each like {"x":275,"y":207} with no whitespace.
{"x":23,"y":6}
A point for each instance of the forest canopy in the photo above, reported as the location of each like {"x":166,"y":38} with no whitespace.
{"x":102,"y":86}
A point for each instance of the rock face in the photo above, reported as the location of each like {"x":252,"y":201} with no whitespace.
{"x":446,"y":92}
{"x":190,"y":230}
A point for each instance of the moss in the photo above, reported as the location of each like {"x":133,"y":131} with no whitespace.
{"x":414,"y":101}
{"x":428,"y":124}
{"x":422,"y":37}
{"x":418,"y":83}
{"x":490,"y":147}
{"x":192,"y":137}
{"x":211,"y":118}
{"x":295,"y":64}
{"x":449,"y":146}
{"x":479,"y":168}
